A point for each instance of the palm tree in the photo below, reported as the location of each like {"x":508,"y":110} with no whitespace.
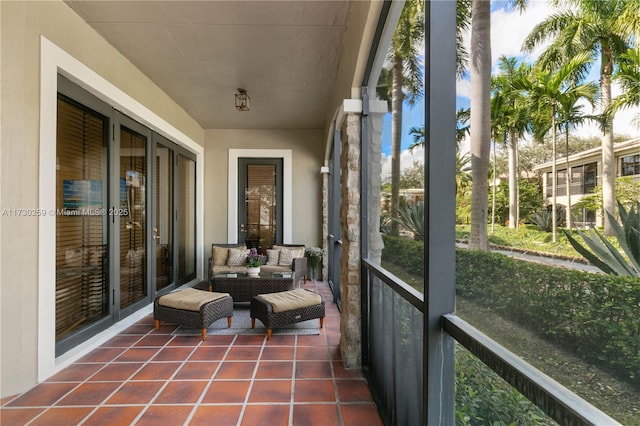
{"x":570,"y":114}
{"x":480,"y":74}
{"x":463,"y":167}
{"x":601,"y":29}
{"x":628,"y":76}
{"x":402,"y":82}
{"x":547,"y":90}
{"x":480,"y":121}
{"x":510,"y":121}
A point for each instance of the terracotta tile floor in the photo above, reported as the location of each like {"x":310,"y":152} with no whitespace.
{"x":143,"y":376}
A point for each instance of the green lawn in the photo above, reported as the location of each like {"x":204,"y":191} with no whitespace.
{"x":526,"y":237}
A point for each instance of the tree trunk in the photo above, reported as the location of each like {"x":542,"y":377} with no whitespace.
{"x":513,"y":181}
{"x":608,"y":162}
{"x":480,"y":121}
{"x":397,"y":98}
{"x":554,"y":174}
{"x":493,"y":190}
{"x":566,"y":141}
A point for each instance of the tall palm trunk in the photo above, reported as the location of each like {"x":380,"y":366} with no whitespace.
{"x":566,"y":142}
{"x":480,"y":121}
{"x":608,"y":161}
{"x":397,"y":98}
{"x":554,"y":174}
{"x":513,"y":181}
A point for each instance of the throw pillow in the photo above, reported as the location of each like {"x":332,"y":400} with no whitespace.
{"x":297,"y":251}
{"x":220,"y":255}
{"x":286,"y":257}
{"x":237,"y":257}
{"x":273,"y":257}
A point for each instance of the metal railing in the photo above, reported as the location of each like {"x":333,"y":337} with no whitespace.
{"x":392,"y":314}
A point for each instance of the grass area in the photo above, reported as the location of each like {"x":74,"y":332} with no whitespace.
{"x":526,"y":237}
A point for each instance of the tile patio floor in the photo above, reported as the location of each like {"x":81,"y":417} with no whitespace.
{"x":148,"y":377}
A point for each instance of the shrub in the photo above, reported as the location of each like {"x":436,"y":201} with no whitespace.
{"x":544,"y":219}
{"x":411,"y":218}
{"x":484,"y":398}
{"x":607,"y":257}
{"x":594,"y":315}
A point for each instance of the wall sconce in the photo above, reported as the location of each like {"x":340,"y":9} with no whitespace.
{"x":242,"y":100}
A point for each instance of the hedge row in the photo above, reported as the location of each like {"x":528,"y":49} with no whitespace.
{"x":594,"y":315}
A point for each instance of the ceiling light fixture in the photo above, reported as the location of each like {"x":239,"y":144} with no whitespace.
{"x":242,"y":100}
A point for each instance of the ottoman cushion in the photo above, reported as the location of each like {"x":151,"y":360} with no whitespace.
{"x":189,"y":299}
{"x":289,"y":300}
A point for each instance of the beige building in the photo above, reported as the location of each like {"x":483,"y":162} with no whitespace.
{"x":585,"y":168}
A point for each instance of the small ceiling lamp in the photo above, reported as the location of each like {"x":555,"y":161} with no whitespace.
{"x":242,"y":100}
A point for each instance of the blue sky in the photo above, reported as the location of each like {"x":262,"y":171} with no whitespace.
{"x":508,"y":30}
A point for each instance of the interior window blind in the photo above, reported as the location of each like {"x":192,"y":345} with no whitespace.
{"x":261,"y":205}
{"x":133,"y":183}
{"x":81,"y":251}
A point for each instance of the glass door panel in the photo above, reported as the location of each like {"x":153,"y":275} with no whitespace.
{"x":163,"y":229}
{"x":81,"y":230}
{"x":260,"y":204}
{"x":133,"y":177}
{"x":186,"y":219}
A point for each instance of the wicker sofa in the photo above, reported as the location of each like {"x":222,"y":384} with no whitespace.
{"x":218,"y":262}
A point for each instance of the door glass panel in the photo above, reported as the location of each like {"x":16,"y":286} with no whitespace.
{"x":163,"y":231}
{"x":133,"y":176}
{"x":186,"y":219}
{"x":261,"y":206}
{"x":81,"y":261}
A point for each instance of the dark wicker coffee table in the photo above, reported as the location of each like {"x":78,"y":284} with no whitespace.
{"x":242,"y":287}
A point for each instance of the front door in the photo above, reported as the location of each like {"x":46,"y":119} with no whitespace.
{"x":260,"y":202}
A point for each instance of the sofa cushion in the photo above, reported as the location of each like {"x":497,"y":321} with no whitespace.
{"x":275,"y":268}
{"x":273,"y":256}
{"x":297,"y":251}
{"x":226,"y":268}
{"x":288,"y":300}
{"x":286,"y":257}
{"x":219,"y":255}
{"x":189,"y":299}
{"x":237,"y":257}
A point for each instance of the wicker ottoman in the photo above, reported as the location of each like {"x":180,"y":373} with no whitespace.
{"x":286,"y":307}
{"x":193,"y":308}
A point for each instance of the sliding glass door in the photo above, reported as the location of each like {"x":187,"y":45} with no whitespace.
{"x":125,"y":223}
{"x":132,"y":196}
{"x":186,"y":187}
{"x":82,"y":280}
{"x":163,"y":228}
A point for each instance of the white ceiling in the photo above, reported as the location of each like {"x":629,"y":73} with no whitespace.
{"x":284,"y":53}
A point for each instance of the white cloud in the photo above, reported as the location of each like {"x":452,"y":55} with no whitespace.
{"x":508,"y":31}
{"x":463,"y":88}
{"x":407,"y":159}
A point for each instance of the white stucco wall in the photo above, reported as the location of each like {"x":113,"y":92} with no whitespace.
{"x":307,"y":149}
{"x":22,"y":26}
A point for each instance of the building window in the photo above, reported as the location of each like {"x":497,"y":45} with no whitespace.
{"x":630,"y":165}
{"x":590,"y":177}
{"x":561,"y":190}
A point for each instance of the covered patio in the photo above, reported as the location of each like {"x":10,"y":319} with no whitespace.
{"x":143,"y":376}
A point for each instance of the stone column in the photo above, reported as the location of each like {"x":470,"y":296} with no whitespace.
{"x":377,"y":109}
{"x":324,"y":272}
{"x":350,"y":321}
